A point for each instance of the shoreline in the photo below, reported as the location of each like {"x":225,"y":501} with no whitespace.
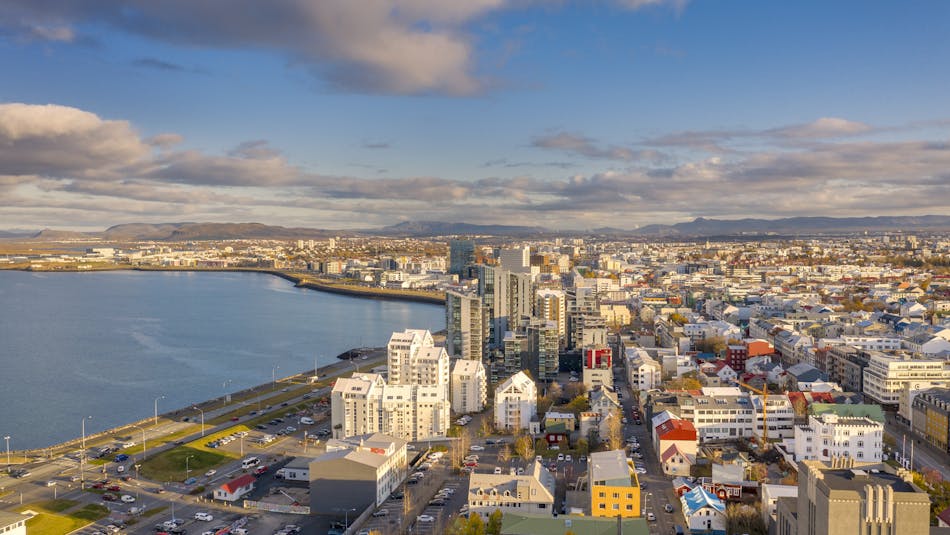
{"x":299,"y":280}
{"x":32,"y":455}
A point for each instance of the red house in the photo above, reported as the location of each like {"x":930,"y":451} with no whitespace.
{"x":737,"y":354}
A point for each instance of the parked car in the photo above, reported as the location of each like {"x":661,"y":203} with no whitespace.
{"x":121,"y":458}
{"x":668,"y":508}
{"x":204,"y":516}
{"x":211,"y":472}
{"x":128,"y":498}
{"x":381,"y":512}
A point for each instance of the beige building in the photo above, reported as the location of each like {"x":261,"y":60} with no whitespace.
{"x":469,"y":386}
{"x":516,"y":402}
{"x":357,"y":471}
{"x":847,"y":498}
{"x":13,"y":524}
{"x":530,"y":493}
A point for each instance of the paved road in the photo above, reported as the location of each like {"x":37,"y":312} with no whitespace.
{"x":925,"y":455}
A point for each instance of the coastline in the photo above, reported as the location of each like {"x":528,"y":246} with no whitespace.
{"x":301,"y":280}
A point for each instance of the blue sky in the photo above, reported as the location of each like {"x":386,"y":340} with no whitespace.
{"x":574,"y":115}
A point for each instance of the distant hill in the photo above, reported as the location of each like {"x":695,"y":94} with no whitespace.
{"x":442,"y":228}
{"x":796,"y":225}
{"x":59,"y":235}
{"x":209,"y":231}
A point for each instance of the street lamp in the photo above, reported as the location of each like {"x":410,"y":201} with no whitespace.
{"x":346,"y":517}
{"x":144,"y":445}
{"x":156,"y":408}
{"x":202,"y":418}
{"x":82,"y":454}
{"x":186,"y":466}
{"x":7,"y":438}
{"x":273,"y":376}
{"x":225,"y":388}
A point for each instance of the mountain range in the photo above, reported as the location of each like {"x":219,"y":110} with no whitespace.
{"x":698,"y":228}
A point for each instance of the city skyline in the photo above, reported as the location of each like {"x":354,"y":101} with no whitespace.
{"x":567,"y":115}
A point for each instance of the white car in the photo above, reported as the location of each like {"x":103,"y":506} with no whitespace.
{"x":425,"y":518}
{"x":560,"y":456}
{"x":475,"y":447}
{"x":651,"y":517}
{"x":128,"y":498}
{"x":641,"y":470}
{"x":497,"y":469}
{"x":206,"y":517}
{"x":211,"y":472}
{"x":568,"y":458}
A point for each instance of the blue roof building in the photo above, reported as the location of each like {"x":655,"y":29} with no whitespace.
{"x":705,"y":513}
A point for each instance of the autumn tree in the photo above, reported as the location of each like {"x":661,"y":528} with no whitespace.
{"x":487,"y":427}
{"x":615,"y":430}
{"x":582,"y":446}
{"x":758,"y":472}
{"x":715,"y":344}
{"x":800,"y":406}
{"x":494,"y":523}
{"x":524,"y":447}
{"x":459,"y":447}
{"x":574,"y":390}
{"x":578,"y":405}
{"x":504,"y":454}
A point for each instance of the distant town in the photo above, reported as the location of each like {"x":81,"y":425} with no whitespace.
{"x":585,"y":385}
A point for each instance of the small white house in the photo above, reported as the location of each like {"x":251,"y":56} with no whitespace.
{"x":235,"y":489}
{"x":296,"y":470}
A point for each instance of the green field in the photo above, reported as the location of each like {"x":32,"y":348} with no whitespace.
{"x":50,"y":519}
{"x":50,"y":524}
{"x":170,"y":465}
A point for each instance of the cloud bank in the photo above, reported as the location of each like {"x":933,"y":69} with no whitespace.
{"x":62,"y":165}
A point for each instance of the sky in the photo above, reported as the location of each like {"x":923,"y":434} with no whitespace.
{"x":571,"y":115}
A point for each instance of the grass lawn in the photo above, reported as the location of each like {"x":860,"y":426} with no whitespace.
{"x":50,"y":524}
{"x":91,"y":512}
{"x":199,"y":444}
{"x":55,"y":506}
{"x":154,"y":511}
{"x":170,"y":465}
{"x":277,"y":399}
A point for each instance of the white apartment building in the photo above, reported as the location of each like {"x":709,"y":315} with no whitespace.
{"x":469,"y":386}
{"x":779,"y":414}
{"x":365,"y":404}
{"x":719,"y":417}
{"x":414,"y":359}
{"x":829,"y":435}
{"x":516,"y":402}
{"x":643,"y":371}
{"x":594,"y":377}
{"x":532,"y":492}
{"x":465,"y":329}
{"x":886,"y":374}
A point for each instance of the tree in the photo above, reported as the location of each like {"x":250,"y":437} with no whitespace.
{"x":459,"y":448}
{"x":574,"y":390}
{"x":504,"y":454}
{"x":582,"y":446}
{"x":758,"y":472}
{"x":678,"y":318}
{"x":494,"y":523}
{"x":615,"y":430}
{"x":524,"y":447}
{"x":407,"y":503}
{"x":473,"y":525}
{"x":685,"y":382}
{"x":800,"y":406}
{"x":715,"y":344}
{"x":578,"y":405}
{"x":487,"y":427}
{"x":540,"y":446}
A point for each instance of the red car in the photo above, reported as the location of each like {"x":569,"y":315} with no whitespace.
{"x":234,"y":419}
{"x":109,"y":497}
{"x":99,"y":485}
{"x":114,"y":488}
{"x":260,"y":471}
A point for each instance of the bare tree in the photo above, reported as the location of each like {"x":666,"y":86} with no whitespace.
{"x":504,"y":454}
{"x":487,"y":427}
{"x":460,"y":447}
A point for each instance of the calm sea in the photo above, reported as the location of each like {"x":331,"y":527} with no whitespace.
{"x":108,"y":344}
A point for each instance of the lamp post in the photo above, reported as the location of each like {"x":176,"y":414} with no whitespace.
{"x":273,"y":376}
{"x":346,"y":518}
{"x":82,"y":454}
{"x":144,"y":445}
{"x":202,"y":418}
{"x":186,"y":466}
{"x":7,"y":438}
{"x":225,"y":388}
{"x":156,"y":408}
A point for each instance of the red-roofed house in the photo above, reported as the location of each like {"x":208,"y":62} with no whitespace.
{"x":681,"y":433}
{"x":943,"y":518}
{"x":236,"y":488}
{"x":675,"y":462}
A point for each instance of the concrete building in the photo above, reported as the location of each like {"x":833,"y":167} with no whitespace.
{"x":357,"y":472}
{"x":614,"y":488}
{"x":551,"y":306}
{"x":365,"y":404}
{"x":529,"y":493}
{"x":298,"y":469}
{"x":469,"y":386}
{"x":931,"y":416}
{"x":516,"y":402}
{"x":770,"y":496}
{"x":847,"y":498}
{"x":414,"y":359}
{"x":643,"y":371}
{"x":676,"y":437}
{"x":464,"y":325}
{"x":12,"y":523}
{"x":886,"y":374}
{"x":515,"y":259}
{"x":597,"y":369}
{"x":828,"y":435}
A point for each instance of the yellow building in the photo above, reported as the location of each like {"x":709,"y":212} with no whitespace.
{"x":614,"y":488}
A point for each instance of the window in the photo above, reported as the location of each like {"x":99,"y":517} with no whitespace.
{"x":616,"y":507}
{"x":601,"y":494}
